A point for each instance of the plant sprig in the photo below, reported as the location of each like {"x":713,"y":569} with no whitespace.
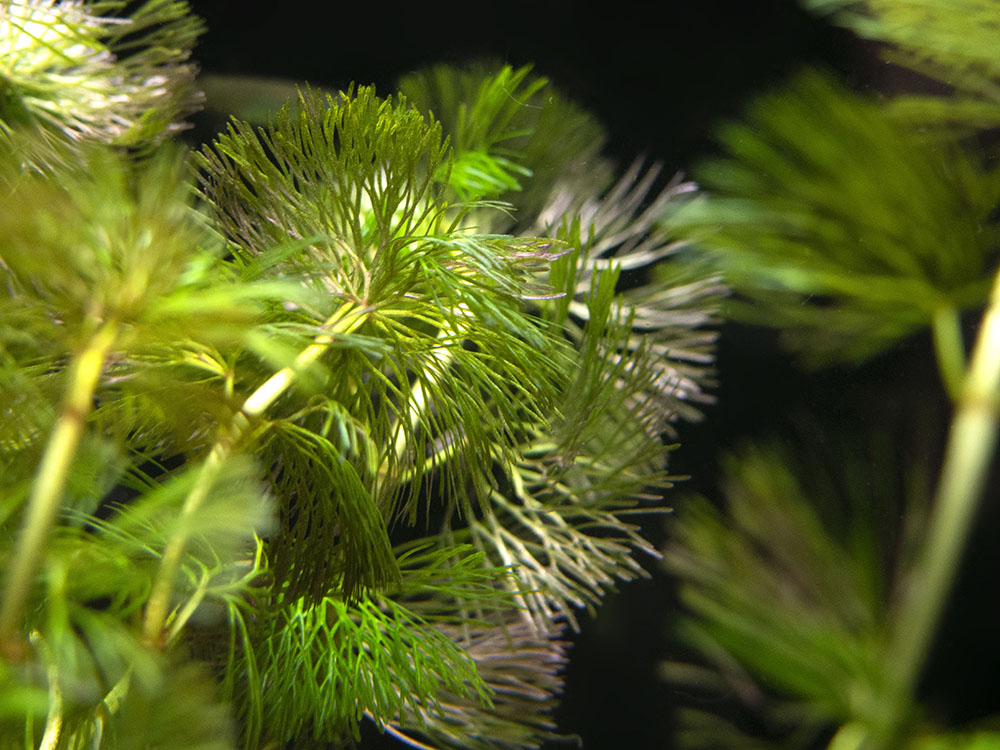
{"x":224,"y":405}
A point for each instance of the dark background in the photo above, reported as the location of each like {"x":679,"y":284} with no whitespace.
{"x":660,"y":76}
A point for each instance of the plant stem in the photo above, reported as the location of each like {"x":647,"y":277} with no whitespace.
{"x":949,"y":350}
{"x":418,"y":401}
{"x":54,"y":720}
{"x":347,"y":318}
{"x":50,"y":480}
{"x":968,"y":458}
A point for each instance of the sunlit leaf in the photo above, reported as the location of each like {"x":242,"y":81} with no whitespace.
{"x":91,"y":73}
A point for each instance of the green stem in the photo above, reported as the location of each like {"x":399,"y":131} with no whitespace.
{"x":418,"y":403}
{"x":50,"y":480}
{"x":158,"y":605}
{"x":347,"y":318}
{"x":967,"y":462}
{"x":54,"y":720}
{"x":949,"y":350}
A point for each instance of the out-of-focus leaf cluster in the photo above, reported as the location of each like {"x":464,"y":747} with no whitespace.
{"x":952,"y":42}
{"x":791,"y":589}
{"x":847,"y":222}
{"x":105,"y":72}
{"x":838,"y":225}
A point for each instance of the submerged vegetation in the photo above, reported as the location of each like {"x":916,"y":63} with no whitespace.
{"x":334,"y":420}
{"x":346,"y":417}
{"x":851,"y":222}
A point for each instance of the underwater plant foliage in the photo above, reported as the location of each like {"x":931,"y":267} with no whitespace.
{"x":850,"y":223}
{"x":346,"y":419}
{"x":341,"y":418}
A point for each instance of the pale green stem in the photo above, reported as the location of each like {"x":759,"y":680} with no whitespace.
{"x":50,"y":480}
{"x":949,"y":349}
{"x":54,"y":720}
{"x":110,"y":705}
{"x":347,"y":318}
{"x":418,"y":402}
{"x":189,"y":608}
{"x":158,"y":605}
{"x":399,"y":734}
{"x":967,"y":462}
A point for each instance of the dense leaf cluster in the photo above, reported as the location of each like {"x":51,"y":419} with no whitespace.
{"x":337,"y":419}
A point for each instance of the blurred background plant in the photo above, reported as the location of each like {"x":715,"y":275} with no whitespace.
{"x":851,"y":223}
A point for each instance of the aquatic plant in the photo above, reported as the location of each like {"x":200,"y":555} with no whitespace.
{"x":851,"y":223}
{"x":341,"y":418}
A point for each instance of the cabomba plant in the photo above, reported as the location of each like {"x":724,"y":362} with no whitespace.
{"x":333,"y":420}
{"x":851,"y":222}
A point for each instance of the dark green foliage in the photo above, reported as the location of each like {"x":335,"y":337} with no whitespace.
{"x":839,"y":226}
{"x":814,"y":588}
{"x":328,"y":507}
{"x":786,"y":602}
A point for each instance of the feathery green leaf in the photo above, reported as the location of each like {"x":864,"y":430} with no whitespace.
{"x":832,"y":221}
{"x":953,"y":41}
{"x":332,"y":663}
{"x":789,"y":601}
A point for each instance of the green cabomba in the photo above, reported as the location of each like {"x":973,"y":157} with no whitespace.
{"x":850,"y":223}
{"x":334,"y":420}
{"x":81,"y":72}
